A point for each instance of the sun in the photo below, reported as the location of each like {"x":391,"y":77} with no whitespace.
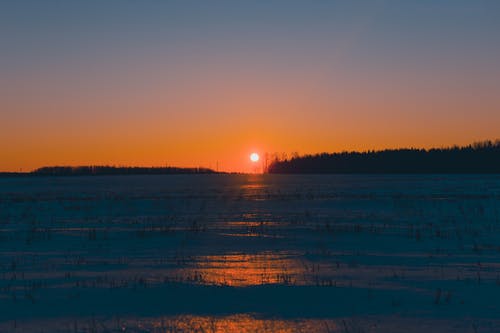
{"x":254,"y":157}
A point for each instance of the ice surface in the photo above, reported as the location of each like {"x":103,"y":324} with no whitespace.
{"x":236,"y":253}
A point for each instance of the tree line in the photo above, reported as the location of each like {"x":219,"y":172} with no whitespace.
{"x":113,"y":170}
{"x":479,"y":157}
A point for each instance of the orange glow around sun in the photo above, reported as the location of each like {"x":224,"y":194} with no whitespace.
{"x":198,"y":97}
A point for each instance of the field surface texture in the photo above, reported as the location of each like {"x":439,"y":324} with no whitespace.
{"x":250,"y":253}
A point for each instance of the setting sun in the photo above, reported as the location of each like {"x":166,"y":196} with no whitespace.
{"x":130,"y":143}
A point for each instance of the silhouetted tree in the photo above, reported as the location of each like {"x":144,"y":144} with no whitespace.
{"x":479,"y":157}
{"x":111,"y":170}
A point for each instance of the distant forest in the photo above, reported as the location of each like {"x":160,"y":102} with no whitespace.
{"x":108,"y":170}
{"x":481,"y":157}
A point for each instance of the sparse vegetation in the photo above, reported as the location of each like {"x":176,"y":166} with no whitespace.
{"x":297,"y":245}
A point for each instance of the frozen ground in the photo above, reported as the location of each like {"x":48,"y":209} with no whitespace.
{"x":250,"y":253}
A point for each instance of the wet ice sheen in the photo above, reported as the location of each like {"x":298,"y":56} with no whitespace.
{"x":426,"y":244}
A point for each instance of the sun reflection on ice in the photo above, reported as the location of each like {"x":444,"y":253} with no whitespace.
{"x":243,"y":323}
{"x":239,"y":270}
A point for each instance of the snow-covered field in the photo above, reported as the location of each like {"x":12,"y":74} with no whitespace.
{"x":250,"y":253}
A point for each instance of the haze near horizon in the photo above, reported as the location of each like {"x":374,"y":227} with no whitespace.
{"x":190,"y":84}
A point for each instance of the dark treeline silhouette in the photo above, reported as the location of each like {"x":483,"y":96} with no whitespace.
{"x":111,"y":170}
{"x":481,"y":157}
{"x":108,"y":170}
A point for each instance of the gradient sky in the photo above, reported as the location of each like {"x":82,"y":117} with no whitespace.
{"x":193,"y":83}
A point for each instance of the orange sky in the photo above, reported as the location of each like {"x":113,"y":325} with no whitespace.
{"x":134,"y":88}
